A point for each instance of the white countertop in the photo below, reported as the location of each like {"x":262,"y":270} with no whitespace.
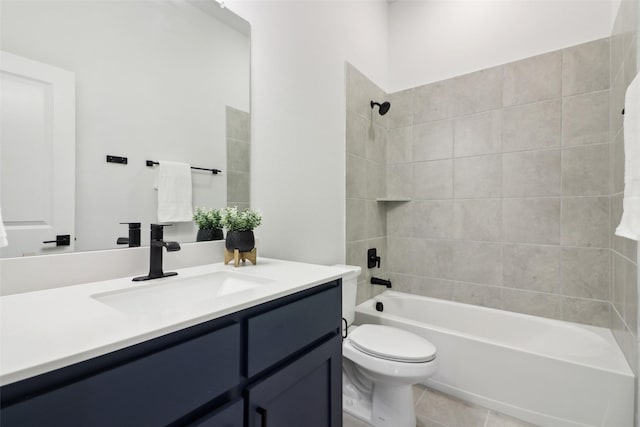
{"x":50,"y":329}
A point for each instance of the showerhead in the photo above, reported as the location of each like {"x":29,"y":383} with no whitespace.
{"x":382,"y":108}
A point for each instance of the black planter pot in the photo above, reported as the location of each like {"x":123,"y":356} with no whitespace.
{"x":204,"y":235}
{"x":244,"y":241}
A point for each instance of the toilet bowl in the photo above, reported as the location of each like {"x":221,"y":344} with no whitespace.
{"x":380,"y":366}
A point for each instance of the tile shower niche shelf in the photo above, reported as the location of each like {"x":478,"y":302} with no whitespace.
{"x":393,"y":199}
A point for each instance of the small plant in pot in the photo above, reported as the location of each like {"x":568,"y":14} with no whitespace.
{"x":209,"y":224}
{"x":240,"y":225}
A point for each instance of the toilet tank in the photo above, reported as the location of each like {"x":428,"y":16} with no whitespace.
{"x":349,"y":288}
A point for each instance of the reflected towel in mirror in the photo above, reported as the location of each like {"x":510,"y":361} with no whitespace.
{"x":173,"y":182}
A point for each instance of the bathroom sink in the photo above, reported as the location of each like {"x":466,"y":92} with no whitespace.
{"x":177,"y":294}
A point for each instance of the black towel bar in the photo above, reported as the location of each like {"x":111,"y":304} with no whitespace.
{"x":150,"y":163}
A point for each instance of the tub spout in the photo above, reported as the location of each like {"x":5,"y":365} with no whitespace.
{"x":377,"y":281}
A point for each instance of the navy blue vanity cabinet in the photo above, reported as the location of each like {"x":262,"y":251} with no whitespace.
{"x":307,"y":392}
{"x":152,"y":390}
{"x":277,"y":334}
{"x":308,"y":389}
{"x":276,"y":364}
{"x":230,"y":415}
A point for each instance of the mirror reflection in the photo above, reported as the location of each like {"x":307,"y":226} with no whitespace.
{"x":136,"y":80}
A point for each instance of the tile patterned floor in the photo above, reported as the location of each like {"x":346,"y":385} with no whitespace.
{"x":436,"y":409}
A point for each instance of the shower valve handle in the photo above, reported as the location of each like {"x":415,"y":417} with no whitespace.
{"x":373,"y":260}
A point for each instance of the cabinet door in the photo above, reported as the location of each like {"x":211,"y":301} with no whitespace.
{"x":231,"y":415}
{"x":306,"y":392}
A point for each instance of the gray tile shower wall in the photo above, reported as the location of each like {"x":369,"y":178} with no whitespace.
{"x":624,"y":268}
{"x":238,"y":158}
{"x":510,"y":186}
{"x":366,"y":154}
{"x":515,"y":175}
{"x":516,"y":179}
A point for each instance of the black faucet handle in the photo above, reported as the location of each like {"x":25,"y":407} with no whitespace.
{"x":134,"y":235}
{"x":157,"y":231}
{"x":159,"y":226}
{"x":373,"y":260}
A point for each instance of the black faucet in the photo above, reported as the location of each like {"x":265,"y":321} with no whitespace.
{"x":155,"y":248}
{"x":134,"y":235}
{"x":377,"y":281}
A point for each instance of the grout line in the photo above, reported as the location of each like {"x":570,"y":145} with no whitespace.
{"x":499,"y":198}
{"x":562,"y":157}
{"x":501,"y":303}
{"x":591,"y":92}
{"x":624,"y":257}
{"x":622,"y":319}
{"x":400,"y":274}
{"x":419,"y":399}
{"x":494,"y":242}
{"x":455,"y":116}
{"x":611,"y":243}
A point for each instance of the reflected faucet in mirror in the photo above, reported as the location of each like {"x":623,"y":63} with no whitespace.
{"x":155,"y":251}
{"x":134,"y":235}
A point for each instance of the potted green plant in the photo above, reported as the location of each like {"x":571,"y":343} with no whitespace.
{"x":240,"y":225}
{"x":209,"y":224}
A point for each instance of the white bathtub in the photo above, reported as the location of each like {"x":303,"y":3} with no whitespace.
{"x":547,"y":372}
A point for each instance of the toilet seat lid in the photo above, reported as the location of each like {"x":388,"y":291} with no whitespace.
{"x":391,"y":343}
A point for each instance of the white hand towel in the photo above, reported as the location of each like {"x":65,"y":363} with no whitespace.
{"x":174,"y":192}
{"x":630,"y":223}
{"x":3,"y":233}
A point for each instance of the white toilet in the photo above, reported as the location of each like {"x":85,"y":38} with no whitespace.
{"x":380,"y":365}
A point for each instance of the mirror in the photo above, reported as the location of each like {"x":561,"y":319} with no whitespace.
{"x":142,"y":80}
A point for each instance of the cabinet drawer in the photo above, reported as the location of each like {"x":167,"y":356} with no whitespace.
{"x":279,"y":333}
{"x":152,"y":390}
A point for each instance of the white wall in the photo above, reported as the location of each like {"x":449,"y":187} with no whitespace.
{"x":153,"y":82}
{"x":615,"y":6}
{"x":432,"y":40}
{"x":298,"y":117}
